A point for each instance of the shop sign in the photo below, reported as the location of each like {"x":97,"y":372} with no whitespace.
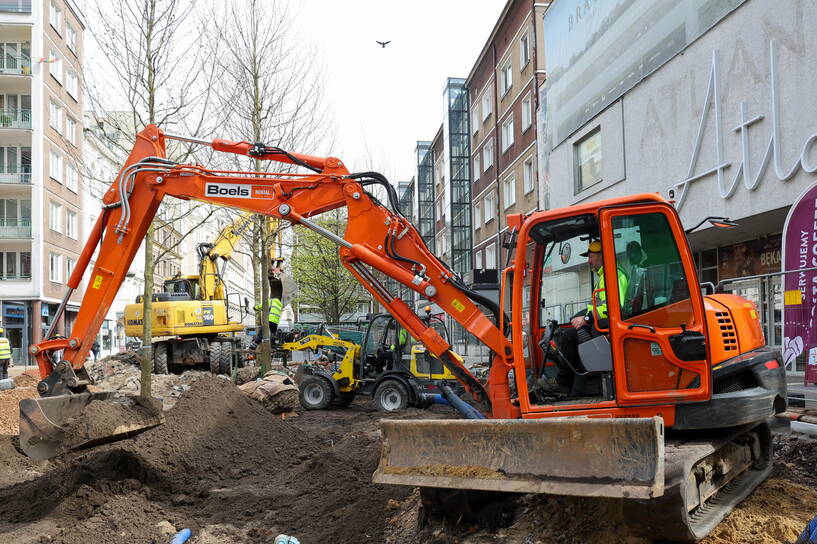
{"x":800,"y":288}
{"x":771,"y":158}
{"x":749,"y":258}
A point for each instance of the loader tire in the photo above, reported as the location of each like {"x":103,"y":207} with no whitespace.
{"x":315,"y":393}
{"x":390,"y":396}
{"x":215,"y":357}
{"x":160,"y":358}
{"x":226,"y":359}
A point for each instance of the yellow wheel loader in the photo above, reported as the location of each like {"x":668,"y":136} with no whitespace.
{"x":390,"y":366}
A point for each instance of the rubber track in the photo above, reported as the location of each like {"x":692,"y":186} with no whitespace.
{"x":667,"y":517}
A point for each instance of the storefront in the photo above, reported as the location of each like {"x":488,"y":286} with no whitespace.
{"x":709,"y":103}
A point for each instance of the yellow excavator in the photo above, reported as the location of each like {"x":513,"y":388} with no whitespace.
{"x":191,"y":321}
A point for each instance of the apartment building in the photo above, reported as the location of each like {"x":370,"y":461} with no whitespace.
{"x":41,"y":47}
{"x":502,"y":87}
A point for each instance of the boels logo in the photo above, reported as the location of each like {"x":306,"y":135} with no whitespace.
{"x":232,"y":190}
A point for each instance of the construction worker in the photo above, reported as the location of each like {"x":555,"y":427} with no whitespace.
{"x":569,"y":339}
{"x":5,"y":355}
{"x":274,"y":317}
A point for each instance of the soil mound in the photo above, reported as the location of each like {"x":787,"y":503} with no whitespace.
{"x":26,"y":380}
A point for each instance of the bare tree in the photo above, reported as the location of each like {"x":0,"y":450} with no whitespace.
{"x":269,"y":91}
{"x":158,"y":67}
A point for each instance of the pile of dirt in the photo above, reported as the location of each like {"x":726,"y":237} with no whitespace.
{"x":9,"y":410}
{"x":121,"y":373}
{"x":29,"y":378}
{"x":221,"y":465}
{"x":796,"y":459}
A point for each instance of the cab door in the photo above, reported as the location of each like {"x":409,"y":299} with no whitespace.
{"x":657,"y":324}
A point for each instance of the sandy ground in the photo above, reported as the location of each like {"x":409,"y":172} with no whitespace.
{"x":232,"y":472}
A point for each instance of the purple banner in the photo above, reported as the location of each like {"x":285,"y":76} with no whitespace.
{"x":800,"y":288}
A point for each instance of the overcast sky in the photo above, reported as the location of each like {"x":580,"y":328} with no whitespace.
{"x":385,"y":99}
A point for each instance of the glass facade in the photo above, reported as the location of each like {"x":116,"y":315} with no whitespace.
{"x":458,"y":170}
{"x":424,"y":218}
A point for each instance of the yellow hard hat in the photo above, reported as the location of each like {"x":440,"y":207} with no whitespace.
{"x":592,"y":247}
{"x":2,"y":330}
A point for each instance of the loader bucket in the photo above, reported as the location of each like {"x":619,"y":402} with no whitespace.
{"x":560,"y":456}
{"x":50,"y":426}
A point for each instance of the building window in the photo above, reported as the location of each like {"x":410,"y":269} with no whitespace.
{"x":477,"y":215}
{"x":71,"y":37}
{"x":527,"y":176}
{"x":71,"y":177}
{"x":524,"y":51}
{"x":72,"y":84}
{"x":487,"y":104}
{"x":708,"y":266}
{"x":490,"y":256}
{"x":55,"y":116}
{"x":71,"y":224}
{"x":55,"y":65}
{"x":506,"y":78}
{"x":69,"y":266}
{"x":55,"y":166}
{"x":587,"y":154}
{"x":475,"y":124}
{"x":490,"y":207}
{"x":55,"y":17}
{"x":54,"y":212}
{"x":54,"y":268}
{"x":488,"y":155}
{"x":507,"y":133}
{"x":478,"y":259}
{"x":15,"y":265}
{"x":527,"y":112}
{"x":476,"y":168}
{"x":509,"y":191}
{"x":71,"y":129}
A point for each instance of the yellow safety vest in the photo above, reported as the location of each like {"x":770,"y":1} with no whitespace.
{"x":601,"y":298}
{"x":5,"y":348}
{"x":275,"y":309}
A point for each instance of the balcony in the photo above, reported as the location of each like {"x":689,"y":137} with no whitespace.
{"x":15,"y":6}
{"x":15,"y":228}
{"x":15,"y":66}
{"x":19,"y":276}
{"x":15,"y":118}
{"x":23,"y":176}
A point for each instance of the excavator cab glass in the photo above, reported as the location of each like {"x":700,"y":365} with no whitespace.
{"x":625,"y":271}
{"x":183,"y":286}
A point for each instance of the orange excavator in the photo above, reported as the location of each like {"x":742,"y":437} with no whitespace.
{"x":672,"y":390}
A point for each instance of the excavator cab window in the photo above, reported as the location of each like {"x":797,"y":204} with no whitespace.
{"x":183,"y":285}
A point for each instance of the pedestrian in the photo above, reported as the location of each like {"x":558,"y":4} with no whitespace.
{"x":95,"y":350}
{"x":273,"y":318}
{"x":5,"y":355}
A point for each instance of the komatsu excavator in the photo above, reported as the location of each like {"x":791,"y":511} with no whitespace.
{"x":678,"y":387}
{"x":191,"y":322}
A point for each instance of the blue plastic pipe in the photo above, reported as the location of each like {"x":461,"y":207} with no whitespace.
{"x":467,"y":411}
{"x":181,"y":537}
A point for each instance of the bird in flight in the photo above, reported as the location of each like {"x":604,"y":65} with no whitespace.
{"x":383,"y":44}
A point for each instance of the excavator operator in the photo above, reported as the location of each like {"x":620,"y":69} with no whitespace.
{"x":583,"y":326}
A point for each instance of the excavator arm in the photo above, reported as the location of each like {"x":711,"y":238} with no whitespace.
{"x":377,"y":238}
{"x":210,"y":282}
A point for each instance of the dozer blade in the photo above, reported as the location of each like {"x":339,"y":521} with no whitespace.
{"x":50,"y":426}
{"x":562,"y":456}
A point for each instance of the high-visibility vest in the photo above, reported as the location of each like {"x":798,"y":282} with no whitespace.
{"x":601,"y":297}
{"x":275,"y":309}
{"x":5,"y":348}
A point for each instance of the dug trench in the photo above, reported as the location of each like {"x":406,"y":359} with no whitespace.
{"x":232,"y":472}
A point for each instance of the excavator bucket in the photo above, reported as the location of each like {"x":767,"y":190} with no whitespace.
{"x":51,"y":426}
{"x":562,"y":456}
